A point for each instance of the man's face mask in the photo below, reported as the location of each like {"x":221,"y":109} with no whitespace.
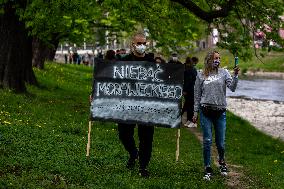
{"x":175,"y":59}
{"x":140,"y":48}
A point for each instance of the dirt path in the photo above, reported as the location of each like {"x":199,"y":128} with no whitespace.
{"x":235,"y":174}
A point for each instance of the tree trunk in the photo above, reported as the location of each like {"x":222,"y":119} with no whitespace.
{"x":52,"y":51}
{"x":15,"y":52}
{"x":39,"y":53}
{"x":43,"y":52}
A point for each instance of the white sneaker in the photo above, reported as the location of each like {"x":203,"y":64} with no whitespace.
{"x":208,"y":173}
{"x":187,"y":124}
{"x":223,"y":169}
{"x":190,"y":124}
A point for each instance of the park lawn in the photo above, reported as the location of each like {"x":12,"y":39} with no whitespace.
{"x":43,"y":136}
{"x":271,"y":62}
{"x":261,"y":156}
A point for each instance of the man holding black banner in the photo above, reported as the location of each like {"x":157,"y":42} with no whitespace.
{"x":145,"y":132}
{"x":137,"y":91}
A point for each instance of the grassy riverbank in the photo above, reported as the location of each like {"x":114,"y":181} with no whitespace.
{"x":272,"y":62}
{"x":43,"y":137}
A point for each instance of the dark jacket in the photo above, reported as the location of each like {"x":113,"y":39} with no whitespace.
{"x":173,"y":62}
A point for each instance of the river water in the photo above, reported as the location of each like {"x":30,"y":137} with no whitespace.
{"x":264,"y":89}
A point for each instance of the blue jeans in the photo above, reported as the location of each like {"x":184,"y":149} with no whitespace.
{"x":219,"y":124}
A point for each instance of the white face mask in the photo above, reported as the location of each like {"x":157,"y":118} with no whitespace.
{"x":140,"y":49}
{"x":175,"y":59}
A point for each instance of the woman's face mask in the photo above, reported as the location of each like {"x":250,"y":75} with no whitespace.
{"x":140,"y":49}
{"x":216,"y":63}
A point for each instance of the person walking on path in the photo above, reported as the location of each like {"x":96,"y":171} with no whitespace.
{"x":188,"y":89}
{"x":145,"y":133}
{"x":210,"y":101}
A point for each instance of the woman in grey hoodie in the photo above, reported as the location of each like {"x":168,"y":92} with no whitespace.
{"x":210,"y":101}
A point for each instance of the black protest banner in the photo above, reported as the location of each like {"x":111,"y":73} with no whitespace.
{"x":138,"y":92}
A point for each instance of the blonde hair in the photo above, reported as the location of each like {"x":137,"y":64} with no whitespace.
{"x":208,"y":61}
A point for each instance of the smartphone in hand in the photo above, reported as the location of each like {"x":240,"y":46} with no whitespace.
{"x":236,"y":68}
{"x":236,"y":61}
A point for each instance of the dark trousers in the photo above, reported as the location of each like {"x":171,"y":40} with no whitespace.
{"x":188,"y":106}
{"x":145,"y":134}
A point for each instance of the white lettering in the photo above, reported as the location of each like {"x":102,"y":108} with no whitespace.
{"x":101,"y":87}
{"x":138,"y":73}
{"x":139,"y":89}
{"x":118,"y":73}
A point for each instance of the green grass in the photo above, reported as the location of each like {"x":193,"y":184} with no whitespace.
{"x":261,"y":156}
{"x":271,"y":62}
{"x":43,"y":136}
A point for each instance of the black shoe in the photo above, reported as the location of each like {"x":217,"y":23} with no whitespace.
{"x":131,"y":162}
{"x":208,"y":173}
{"x":144,"y":173}
{"x":223,"y":168}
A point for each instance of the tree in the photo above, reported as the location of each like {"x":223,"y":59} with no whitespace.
{"x":15,"y":49}
{"x":174,"y":24}
{"x":52,"y":21}
{"x":170,"y":25}
{"x":237,"y":21}
{"x":43,"y":23}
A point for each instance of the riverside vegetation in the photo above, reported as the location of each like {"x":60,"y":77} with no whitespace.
{"x":43,"y":136}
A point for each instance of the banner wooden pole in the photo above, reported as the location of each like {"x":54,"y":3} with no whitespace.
{"x":177,"y":151}
{"x":89,"y":139}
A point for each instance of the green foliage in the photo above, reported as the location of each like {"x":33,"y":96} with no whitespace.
{"x":261,"y":156}
{"x":239,"y":27}
{"x":177,"y":31}
{"x":64,"y":20}
{"x":170,"y":25}
{"x":173,"y":26}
